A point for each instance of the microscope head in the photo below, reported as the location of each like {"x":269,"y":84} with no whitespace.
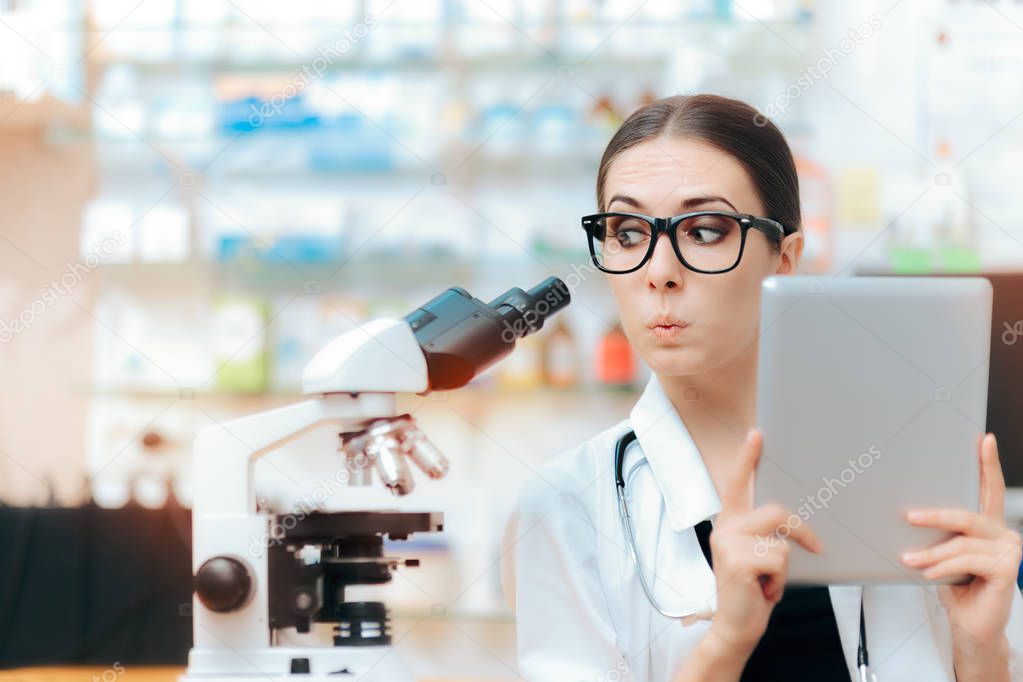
{"x":441,"y":345}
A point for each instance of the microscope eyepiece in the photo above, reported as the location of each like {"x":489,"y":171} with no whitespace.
{"x":461,"y":335}
{"x":527,"y":310}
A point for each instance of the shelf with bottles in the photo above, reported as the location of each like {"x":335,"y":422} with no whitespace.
{"x":311,"y":242}
{"x":558,"y":39}
{"x":333,"y":277}
{"x":239,"y":126}
{"x":368,"y":111}
{"x":995,"y":256}
{"x":527,"y":376}
{"x":474,"y":66}
{"x":245,"y":346}
{"x":295,"y":156}
{"x":463,"y":31}
{"x":476,"y":57}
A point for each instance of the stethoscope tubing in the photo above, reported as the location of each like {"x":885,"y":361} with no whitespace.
{"x":862,"y":662}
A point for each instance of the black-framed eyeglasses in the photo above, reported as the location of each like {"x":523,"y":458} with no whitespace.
{"x":709,"y":242}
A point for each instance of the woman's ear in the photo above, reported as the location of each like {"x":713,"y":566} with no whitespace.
{"x":791,"y":251}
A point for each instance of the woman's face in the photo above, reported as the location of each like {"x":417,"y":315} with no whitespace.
{"x":665,"y":177}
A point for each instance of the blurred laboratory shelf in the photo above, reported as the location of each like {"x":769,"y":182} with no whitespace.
{"x":340,"y":276}
{"x":514,"y":61}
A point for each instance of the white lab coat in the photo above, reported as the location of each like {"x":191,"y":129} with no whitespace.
{"x":581,"y":612}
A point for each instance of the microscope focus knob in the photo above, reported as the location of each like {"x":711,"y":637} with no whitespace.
{"x":223,"y":584}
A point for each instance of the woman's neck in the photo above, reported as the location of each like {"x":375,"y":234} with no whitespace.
{"x":718,"y":407}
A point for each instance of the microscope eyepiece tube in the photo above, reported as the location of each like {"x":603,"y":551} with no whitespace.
{"x":526,"y":311}
{"x":461,"y":336}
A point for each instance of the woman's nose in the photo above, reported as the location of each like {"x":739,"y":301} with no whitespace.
{"x":664,"y":271}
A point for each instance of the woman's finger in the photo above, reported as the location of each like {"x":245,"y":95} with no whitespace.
{"x":955,"y":520}
{"x":992,"y":481}
{"x":737,"y":495}
{"x":774,"y":523}
{"x":981,"y":565}
{"x":773,"y":585}
{"x":957,"y":546}
{"x":769,"y":569}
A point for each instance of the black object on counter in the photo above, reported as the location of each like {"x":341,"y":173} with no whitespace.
{"x":95,"y":586}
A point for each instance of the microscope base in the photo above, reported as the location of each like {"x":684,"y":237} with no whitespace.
{"x":326,"y":664}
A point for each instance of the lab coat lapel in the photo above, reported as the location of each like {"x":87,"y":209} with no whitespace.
{"x":681,"y":476}
{"x":845,"y":602}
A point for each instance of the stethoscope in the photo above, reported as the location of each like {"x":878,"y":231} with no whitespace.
{"x":621,"y":447}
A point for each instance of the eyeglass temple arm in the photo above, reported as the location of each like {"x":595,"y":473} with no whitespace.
{"x":781,"y":230}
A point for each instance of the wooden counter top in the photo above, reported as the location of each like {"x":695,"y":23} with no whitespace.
{"x":130,"y":674}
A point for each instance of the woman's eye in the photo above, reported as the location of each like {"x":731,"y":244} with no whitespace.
{"x":630,"y":236}
{"x":708,"y":230}
{"x":706,"y":235}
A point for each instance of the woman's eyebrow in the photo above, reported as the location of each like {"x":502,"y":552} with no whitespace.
{"x":690,"y":203}
{"x":693,"y":202}
{"x":625,"y":199}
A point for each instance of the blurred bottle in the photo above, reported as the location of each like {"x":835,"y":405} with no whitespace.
{"x":722,"y":10}
{"x":614,"y":362}
{"x":239,"y":344}
{"x":523,"y":369}
{"x":815,"y":204}
{"x":647,"y":96}
{"x":954,"y":234}
{"x":120,"y":109}
{"x":605,"y":114}
{"x":952,"y":223}
{"x":560,"y":356}
{"x":943,"y":236}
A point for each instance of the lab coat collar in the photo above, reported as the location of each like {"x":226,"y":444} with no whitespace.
{"x":677,"y":465}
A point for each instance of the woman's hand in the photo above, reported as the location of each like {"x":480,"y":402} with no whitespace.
{"x":751,"y":554}
{"x":986,"y":549}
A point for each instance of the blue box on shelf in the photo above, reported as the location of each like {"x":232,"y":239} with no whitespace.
{"x":288,"y":248}
{"x":251,"y":113}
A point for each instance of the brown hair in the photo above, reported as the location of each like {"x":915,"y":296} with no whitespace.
{"x":732,"y":126}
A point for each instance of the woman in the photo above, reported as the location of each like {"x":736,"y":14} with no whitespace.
{"x":582,"y":612}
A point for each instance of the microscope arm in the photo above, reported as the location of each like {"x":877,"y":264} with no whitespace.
{"x":355,"y":377}
{"x":225,"y":454}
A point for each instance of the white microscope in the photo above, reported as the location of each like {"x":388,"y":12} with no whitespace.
{"x":245,"y":600}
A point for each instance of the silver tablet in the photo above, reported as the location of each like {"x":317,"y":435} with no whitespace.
{"x":872,"y":398}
